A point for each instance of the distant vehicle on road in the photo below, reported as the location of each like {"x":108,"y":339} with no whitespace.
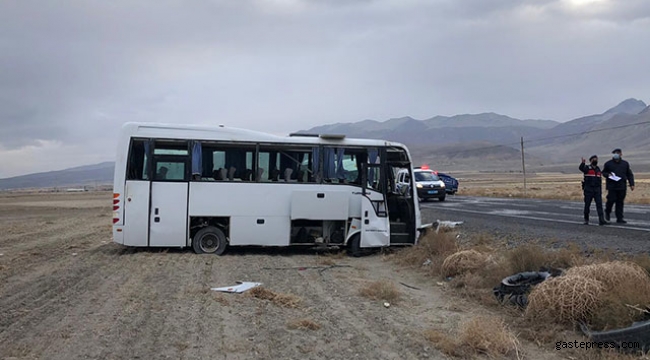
{"x":427,"y":183}
{"x":451,"y":183}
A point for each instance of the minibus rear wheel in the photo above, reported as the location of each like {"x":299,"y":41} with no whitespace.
{"x":210,"y":240}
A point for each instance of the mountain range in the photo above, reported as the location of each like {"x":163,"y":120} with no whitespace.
{"x":485,"y":141}
{"x":464,"y":141}
{"x":89,"y":175}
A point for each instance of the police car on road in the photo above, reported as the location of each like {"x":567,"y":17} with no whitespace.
{"x":428,"y":184}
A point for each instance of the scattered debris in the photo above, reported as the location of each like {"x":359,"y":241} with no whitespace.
{"x":515,"y":288}
{"x":74,"y":254}
{"x":240,"y":288}
{"x":409,"y":286}
{"x":639,"y":332}
{"x":427,"y":263}
{"x":444,"y":224}
{"x":386,"y":304}
{"x":440,"y":283}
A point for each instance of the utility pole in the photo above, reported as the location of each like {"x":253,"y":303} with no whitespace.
{"x":523,"y":166}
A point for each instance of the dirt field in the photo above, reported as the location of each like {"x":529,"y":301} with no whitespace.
{"x":542,"y":186}
{"x":68,"y":292}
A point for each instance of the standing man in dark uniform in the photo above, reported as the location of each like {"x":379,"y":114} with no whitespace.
{"x":618,"y":173}
{"x":593,"y":188}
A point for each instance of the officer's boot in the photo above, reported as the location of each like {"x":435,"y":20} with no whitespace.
{"x":601,"y":221}
{"x":586,"y":220}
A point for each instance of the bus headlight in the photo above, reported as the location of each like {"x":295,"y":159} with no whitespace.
{"x":418,"y":185}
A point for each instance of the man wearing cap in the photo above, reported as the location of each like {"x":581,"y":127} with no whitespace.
{"x":593,"y":188}
{"x":618,"y":174}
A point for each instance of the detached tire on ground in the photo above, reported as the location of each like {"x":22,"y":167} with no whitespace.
{"x":210,"y":240}
{"x":515,"y":288}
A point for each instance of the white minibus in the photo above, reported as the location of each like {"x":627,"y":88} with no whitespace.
{"x":213,"y":187}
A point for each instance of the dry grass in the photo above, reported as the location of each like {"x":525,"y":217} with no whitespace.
{"x":565,"y":299}
{"x":489,"y":335}
{"x":543,"y":186}
{"x":625,"y":284}
{"x":432,"y":246}
{"x":462,"y":262}
{"x":531,"y":257}
{"x":303,"y":324}
{"x":481,"y":335}
{"x":597,"y":290}
{"x":221,"y":299}
{"x":330,"y":258}
{"x":643,"y":260}
{"x":617,"y":276}
{"x":280,"y":299}
{"x":444,"y":342}
{"x":381,"y":290}
{"x":326,"y":261}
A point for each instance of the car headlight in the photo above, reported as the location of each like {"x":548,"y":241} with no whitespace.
{"x":443,"y":185}
{"x":418,"y":185}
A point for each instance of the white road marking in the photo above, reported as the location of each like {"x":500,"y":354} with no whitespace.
{"x":548,"y":220}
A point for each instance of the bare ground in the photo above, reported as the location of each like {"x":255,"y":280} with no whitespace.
{"x":68,"y":292}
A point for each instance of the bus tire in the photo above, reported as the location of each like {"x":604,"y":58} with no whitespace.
{"x":354,"y":245}
{"x":210,"y":240}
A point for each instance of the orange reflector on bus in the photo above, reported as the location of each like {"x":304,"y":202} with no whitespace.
{"x":115,"y":196}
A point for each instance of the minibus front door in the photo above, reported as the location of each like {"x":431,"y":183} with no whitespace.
{"x":375,"y":231}
{"x":375,"y":225}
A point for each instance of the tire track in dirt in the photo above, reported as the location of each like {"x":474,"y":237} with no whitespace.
{"x":114,"y":302}
{"x":387,"y":333}
{"x":49,"y":300}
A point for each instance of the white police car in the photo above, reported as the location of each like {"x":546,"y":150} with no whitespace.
{"x":427,"y":183}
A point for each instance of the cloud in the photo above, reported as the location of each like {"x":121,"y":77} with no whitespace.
{"x":72,"y":72}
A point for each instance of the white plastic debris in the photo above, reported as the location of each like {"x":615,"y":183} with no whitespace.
{"x":74,"y":254}
{"x":386,"y":304}
{"x":447,"y":224}
{"x":426,"y":263}
{"x":239,"y":288}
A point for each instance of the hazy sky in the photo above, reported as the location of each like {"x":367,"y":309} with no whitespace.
{"x":71,"y":72}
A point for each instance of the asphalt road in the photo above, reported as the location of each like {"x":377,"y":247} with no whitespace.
{"x":561,"y":222}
